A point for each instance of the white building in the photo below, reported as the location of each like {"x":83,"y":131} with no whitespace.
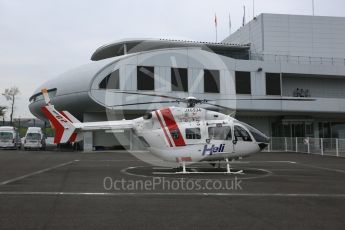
{"x":272,"y":56}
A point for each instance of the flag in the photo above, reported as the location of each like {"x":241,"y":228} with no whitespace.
{"x":244,"y":16}
{"x":216,"y":24}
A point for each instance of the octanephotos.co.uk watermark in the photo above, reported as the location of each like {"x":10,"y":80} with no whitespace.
{"x":178,"y":184}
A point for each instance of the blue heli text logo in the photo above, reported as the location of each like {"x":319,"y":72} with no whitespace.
{"x":213,"y":149}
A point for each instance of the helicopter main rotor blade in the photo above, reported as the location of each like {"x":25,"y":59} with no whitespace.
{"x":145,"y":103}
{"x":219,"y":106}
{"x":150,"y":94}
{"x":265,"y":99}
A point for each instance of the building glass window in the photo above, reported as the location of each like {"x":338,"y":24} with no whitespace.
{"x":220,"y":133}
{"x":298,"y":128}
{"x":111,"y":81}
{"x":145,"y":78}
{"x":338,"y":130}
{"x":211,"y":81}
{"x":273,"y":86}
{"x":241,"y":134}
{"x":193,"y":133}
{"x":179,"y":79}
{"x":243,"y":85}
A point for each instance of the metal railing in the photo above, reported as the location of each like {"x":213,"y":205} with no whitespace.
{"x":278,"y":58}
{"x":321,"y":146}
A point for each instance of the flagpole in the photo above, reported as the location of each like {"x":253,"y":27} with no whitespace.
{"x":229,"y":24}
{"x":244,"y":15}
{"x":253,"y":8}
{"x":313,"y":5}
{"x":216,"y":35}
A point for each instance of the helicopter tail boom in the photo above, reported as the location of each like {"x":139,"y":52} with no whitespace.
{"x":70,"y":129}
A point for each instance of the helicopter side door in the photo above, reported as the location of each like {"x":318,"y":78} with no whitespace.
{"x":243,"y":142}
{"x":220,"y":140}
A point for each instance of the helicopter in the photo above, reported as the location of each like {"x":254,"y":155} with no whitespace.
{"x":183,"y":135}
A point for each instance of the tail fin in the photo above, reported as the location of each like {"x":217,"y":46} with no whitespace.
{"x":70,"y":117}
{"x":75,"y":136}
{"x":64,"y":128}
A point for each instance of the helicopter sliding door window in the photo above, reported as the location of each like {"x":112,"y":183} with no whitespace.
{"x":243,"y":85}
{"x":211,"y":81}
{"x":220,"y":133}
{"x":145,"y":78}
{"x":241,"y":134}
{"x":111,"y":81}
{"x":273,"y":86}
{"x":179,"y":79}
{"x":193,"y":133}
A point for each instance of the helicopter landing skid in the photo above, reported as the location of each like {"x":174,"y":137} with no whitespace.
{"x":200,"y":172}
{"x":185,"y":171}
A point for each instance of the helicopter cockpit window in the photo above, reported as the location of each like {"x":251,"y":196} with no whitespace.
{"x":241,"y":134}
{"x":193,"y":133}
{"x":220,"y":133}
{"x":174,"y":134}
{"x":258,"y":136}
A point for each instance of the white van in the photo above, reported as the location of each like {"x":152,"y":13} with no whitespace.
{"x":9,"y":138}
{"x":34,"y":139}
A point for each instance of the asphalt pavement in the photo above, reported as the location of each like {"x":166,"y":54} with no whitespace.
{"x":114,"y":190}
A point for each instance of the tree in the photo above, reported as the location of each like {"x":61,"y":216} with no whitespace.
{"x":10,"y":95}
{"x":2,"y":113}
{"x":2,"y":110}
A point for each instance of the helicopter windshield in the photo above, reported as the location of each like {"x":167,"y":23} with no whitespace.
{"x":258,"y":136}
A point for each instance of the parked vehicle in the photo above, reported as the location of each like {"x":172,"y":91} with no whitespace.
{"x":9,"y":138}
{"x":34,"y":139}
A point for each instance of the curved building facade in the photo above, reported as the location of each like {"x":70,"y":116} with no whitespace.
{"x":94,"y":91}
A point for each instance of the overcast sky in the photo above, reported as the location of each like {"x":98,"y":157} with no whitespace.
{"x":40,"y":39}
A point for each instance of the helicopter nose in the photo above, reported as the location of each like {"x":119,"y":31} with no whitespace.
{"x":261,"y":139}
{"x":265,"y":143}
{"x":262,"y":145}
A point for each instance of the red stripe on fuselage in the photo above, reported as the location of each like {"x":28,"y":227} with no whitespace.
{"x":59,"y":129}
{"x":165,"y":132}
{"x":172,"y":126}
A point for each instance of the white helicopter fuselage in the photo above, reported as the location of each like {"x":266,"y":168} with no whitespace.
{"x":190,"y":135}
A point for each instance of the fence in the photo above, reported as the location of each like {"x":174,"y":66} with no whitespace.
{"x":277,"y":58}
{"x":321,"y":146}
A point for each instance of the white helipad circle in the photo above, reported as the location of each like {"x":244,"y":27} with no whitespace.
{"x":150,"y":171}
